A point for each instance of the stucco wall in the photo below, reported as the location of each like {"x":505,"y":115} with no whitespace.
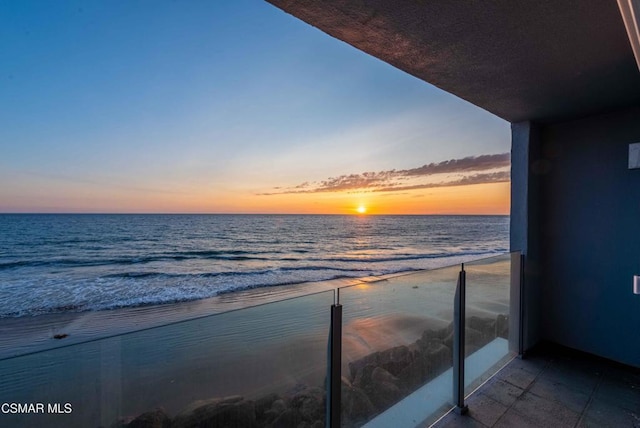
{"x":525,"y":221}
{"x":589,"y":237}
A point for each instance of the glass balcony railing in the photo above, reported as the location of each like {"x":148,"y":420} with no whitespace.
{"x":487,"y":316}
{"x":373,"y":354}
{"x":396,"y":338}
{"x":247,"y":368}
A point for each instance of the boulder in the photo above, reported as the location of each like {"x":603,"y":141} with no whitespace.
{"x":154,"y":419}
{"x":486,"y":326}
{"x":448,"y":340}
{"x":473,"y":339}
{"x":393,"y":360}
{"x":431,"y":362}
{"x":446,"y":331}
{"x":293,"y":418}
{"x":381,"y":387}
{"x":272,"y":414}
{"x":356,"y":406}
{"x":441,"y":358}
{"x":428,"y":338}
{"x":309,"y":404}
{"x":268,"y":408}
{"x":380,"y":375}
{"x":120,"y":423}
{"x":265,"y":402}
{"x":220,"y":412}
{"x":502,"y":326}
{"x":278,"y":406}
{"x":288,"y":418}
{"x":263,"y":405}
{"x":416,"y":373}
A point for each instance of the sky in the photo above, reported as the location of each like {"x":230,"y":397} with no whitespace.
{"x":226,"y":107}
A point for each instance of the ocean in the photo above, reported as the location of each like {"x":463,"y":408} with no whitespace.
{"x":62,"y":263}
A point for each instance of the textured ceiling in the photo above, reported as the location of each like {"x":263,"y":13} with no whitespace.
{"x":542,"y":60}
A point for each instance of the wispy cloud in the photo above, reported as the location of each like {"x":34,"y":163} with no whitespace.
{"x":455,"y":172}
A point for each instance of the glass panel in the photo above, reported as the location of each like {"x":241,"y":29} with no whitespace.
{"x":254,"y":366}
{"x":397,"y":341}
{"x":488,"y":312}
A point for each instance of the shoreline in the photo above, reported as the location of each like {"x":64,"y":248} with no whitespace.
{"x":31,"y":334}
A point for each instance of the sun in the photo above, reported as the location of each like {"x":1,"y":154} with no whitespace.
{"x":361,"y":209}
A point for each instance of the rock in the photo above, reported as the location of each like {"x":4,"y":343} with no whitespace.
{"x":428,"y":338}
{"x":441,"y":358}
{"x":264,"y":406}
{"x":287,"y":419}
{"x":395,"y":359}
{"x":473,"y":339}
{"x":447,"y":330}
{"x":357,"y":365}
{"x":392,"y":360}
{"x":268,"y":417}
{"x":120,"y":423}
{"x":430,"y":363}
{"x":154,"y":419}
{"x":356,"y":406}
{"x":380,"y":375}
{"x":416,"y":373}
{"x":448,"y":341}
{"x":470,"y":349}
{"x":380,"y":386}
{"x":278,"y":406}
{"x":315,"y":424}
{"x":486,"y":326}
{"x":264,"y":403}
{"x":363,"y":376}
{"x":309,"y":403}
{"x":502,"y":326}
{"x":212,"y":401}
{"x":221,"y":412}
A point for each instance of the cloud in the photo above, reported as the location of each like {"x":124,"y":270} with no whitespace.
{"x":483,"y":178}
{"x":471,"y":163}
{"x":455,"y":172}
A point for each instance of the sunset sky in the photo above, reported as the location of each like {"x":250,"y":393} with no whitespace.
{"x":226,"y":107}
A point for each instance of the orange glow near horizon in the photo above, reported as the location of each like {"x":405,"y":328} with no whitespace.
{"x":488,"y":199}
{"x":491,"y":198}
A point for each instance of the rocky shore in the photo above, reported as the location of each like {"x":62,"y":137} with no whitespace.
{"x":373,"y":384}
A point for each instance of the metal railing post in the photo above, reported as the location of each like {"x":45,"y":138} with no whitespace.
{"x":334,"y":369}
{"x":458,"y":343}
{"x":521,"y":311}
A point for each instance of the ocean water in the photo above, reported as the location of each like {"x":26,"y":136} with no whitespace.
{"x":62,"y":263}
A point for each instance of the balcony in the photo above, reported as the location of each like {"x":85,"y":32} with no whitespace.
{"x":555,"y":387}
{"x":406,"y":349}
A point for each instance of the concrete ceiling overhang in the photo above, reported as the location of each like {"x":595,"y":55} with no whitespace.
{"x":542,"y":60}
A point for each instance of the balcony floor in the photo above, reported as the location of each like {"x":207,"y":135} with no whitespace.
{"x":555,"y":387}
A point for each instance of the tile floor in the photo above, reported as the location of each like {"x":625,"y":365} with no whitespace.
{"x":555,"y":387}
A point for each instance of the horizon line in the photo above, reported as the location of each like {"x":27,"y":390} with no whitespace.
{"x":241,"y":213}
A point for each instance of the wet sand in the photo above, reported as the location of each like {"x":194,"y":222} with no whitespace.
{"x":19,"y":336}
